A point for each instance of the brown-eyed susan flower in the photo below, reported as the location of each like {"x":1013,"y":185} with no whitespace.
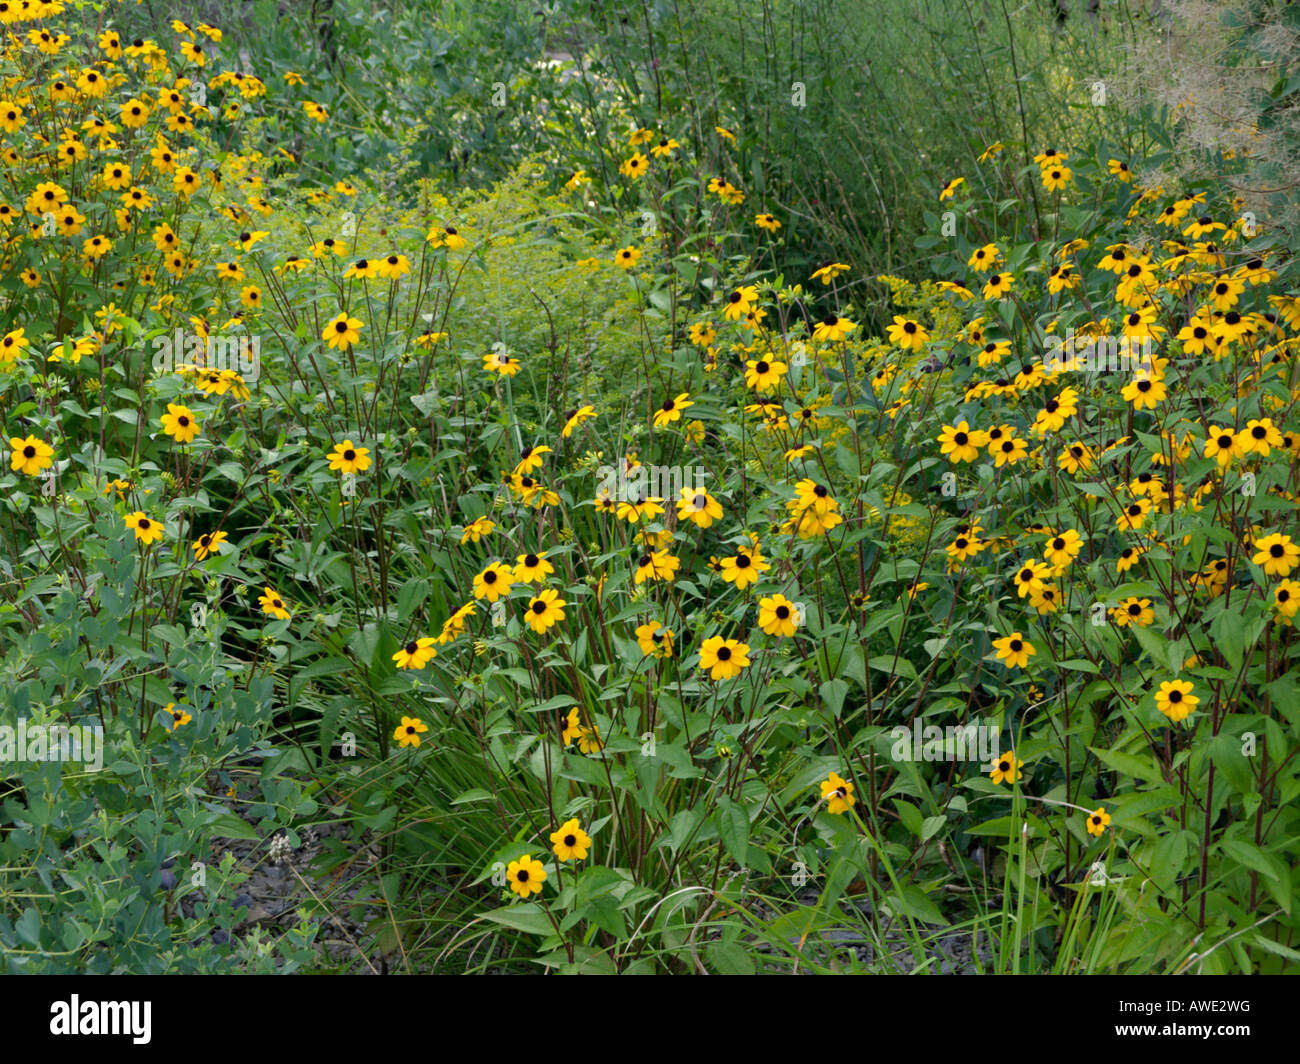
{"x":764,"y":374}
{"x":500,"y":362}
{"x":1222,"y":444}
{"x":829,"y":272}
{"x":740,"y":302}
{"x":1061,"y":549}
{"x":964,"y":547}
{"x":1286,"y":598}
{"x":999,"y":285}
{"x":950,"y":188}
{"x":642,"y":508}
{"x":663,"y":148}
{"x":1006,"y":768}
{"x":961,"y":443}
{"x":494,"y":582}
{"x":342,"y":331}
{"x":364,"y":269}
{"x":1134,"y":611}
{"x":569,"y":842}
{"x":656,"y":565}
{"x":1133,"y":515}
{"x":634,"y":167}
{"x":273,"y":604}
{"x":409,"y":731}
{"x":1144,"y":393}
{"x":1277,"y":554}
{"x":347,"y":457}
{"x":1009,"y":450}
{"x":723,"y":658}
{"x":574,"y":418}
{"x":179,"y":717}
{"x":837,"y":793}
{"x":1097,"y":821}
{"x":778,"y":616}
{"x":744,"y":567}
{"x":1128,"y":558}
{"x":146,"y":529}
{"x":180,"y":423}
{"x":477,"y":529}
{"x":768,"y":222}
{"x":415,"y":654}
{"x":1056,"y":178}
{"x":1259,"y":436}
{"x":627,"y":257}
{"x":984,"y":259}
{"x":670,"y":410}
{"x":30,"y":455}
{"x":1175,"y":699}
{"x":1031,"y":577}
{"x":393,"y":267}
{"x":832,"y":328}
{"x":699,"y":507}
{"x":544,"y":611}
{"x":1014,"y":651}
{"x":207,"y":544}
{"x":908,"y":334}
{"x":532,"y":568}
{"x":526,"y":876}
{"x":654,"y":639}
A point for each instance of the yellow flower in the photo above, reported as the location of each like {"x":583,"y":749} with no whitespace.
{"x":1277,"y":554}
{"x":1014,"y":651}
{"x":526,"y":876}
{"x":207,"y":544}
{"x":837,"y":793}
{"x":178,"y":715}
{"x":342,"y":331}
{"x":544,"y":611}
{"x":493,"y":582}
{"x":908,"y":334}
{"x":655,"y":640}
{"x":409,"y":731}
{"x":30,"y":455}
{"x":832,"y":328}
{"x":347,"y":457}
{"x":627,"y":257}
{"x":273,"y":604}
{"x":570,"y":842}
{"x":147,"y":530}
{"x":1175,"y":699}
{"x":477,"y":529}
{"x":723,"y":658}
{"x":180,"y":423}
{"x":1006,"y":768}
{"x":744,"y":567}
{"x":778,"y":616}
{"x":415,"y":654}
{"x":829,"y":272}
{"x":698,"y":507}
{"x":1097,"y":821}
{"x":671,"y":410}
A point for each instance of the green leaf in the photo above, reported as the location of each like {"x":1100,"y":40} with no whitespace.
{"x":229,"y":826}
{"x":527,"y":917}
{"x":733,"y":828}
{"x":729,"y":958}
